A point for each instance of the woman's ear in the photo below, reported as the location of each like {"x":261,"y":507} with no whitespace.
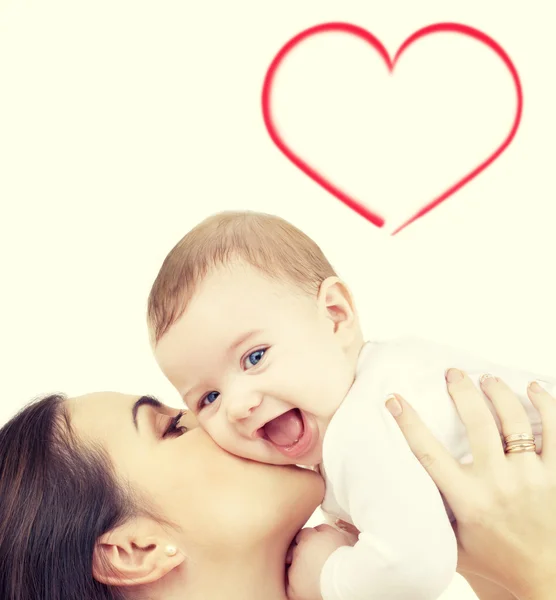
{"x":336,"y":303}
{"x":138,"y":552}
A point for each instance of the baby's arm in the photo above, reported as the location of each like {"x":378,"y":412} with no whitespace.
{"x":406,"y":548}
{"x":425,"y":364}
{"x":517,"y":381}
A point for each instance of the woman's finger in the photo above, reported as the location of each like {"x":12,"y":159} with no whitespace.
{"x":546,"y":405}
{"x":444,"y":470}
{"x":513,"y":418}
{"x":482,"y":432}
{"x":347,"y":527}
{"x":510,"y":411}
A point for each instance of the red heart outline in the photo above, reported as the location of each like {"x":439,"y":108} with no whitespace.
{"x":368,"y":37}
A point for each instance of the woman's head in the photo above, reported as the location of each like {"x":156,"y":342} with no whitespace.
{"x":103,"y":483}
{"x":56,"y":498}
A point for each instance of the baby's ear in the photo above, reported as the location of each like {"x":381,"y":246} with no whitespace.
{"x":130,"y":555}
{"x":336,"y":303}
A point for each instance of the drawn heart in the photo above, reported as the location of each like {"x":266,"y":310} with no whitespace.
{"x":354,"y":30}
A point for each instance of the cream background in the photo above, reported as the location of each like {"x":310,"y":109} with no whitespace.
{"x":122,"y":124}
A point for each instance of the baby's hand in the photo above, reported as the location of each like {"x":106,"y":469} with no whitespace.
{"x":313,"y":547}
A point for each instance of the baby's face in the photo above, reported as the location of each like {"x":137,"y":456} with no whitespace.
{"x":260,"y":364}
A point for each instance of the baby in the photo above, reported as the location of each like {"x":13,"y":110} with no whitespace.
{"x":250,"y":323}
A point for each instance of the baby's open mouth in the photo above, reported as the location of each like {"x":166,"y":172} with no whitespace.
{"x":286,"y":429}
{"x":289,"y":433}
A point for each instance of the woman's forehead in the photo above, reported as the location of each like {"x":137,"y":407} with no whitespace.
{"x":100,"y":412}
{"x":101,"y":400}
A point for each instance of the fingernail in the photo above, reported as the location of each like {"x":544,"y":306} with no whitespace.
{"x":340,"y":524}
{"x":393,"y":405}
{"x":487,"y":380}
{"x":535,"y":387}
{"x":453,"y":375}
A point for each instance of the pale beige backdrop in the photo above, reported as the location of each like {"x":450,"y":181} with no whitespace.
{"x":124,"y":123}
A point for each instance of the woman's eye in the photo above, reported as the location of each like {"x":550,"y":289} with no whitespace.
{"x":254,"y":358}
{"x":174,"y":428}
{"x":208,"y":399}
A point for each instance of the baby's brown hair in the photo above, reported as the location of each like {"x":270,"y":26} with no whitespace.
{"x":268,"y":243}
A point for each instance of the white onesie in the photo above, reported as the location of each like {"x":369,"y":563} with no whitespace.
{"x":407,"y":548}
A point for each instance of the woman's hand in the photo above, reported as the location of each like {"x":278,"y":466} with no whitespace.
{"x":505,"y":504}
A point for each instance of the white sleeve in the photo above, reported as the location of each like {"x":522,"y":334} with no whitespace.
{"x":427,"y":391}
{"x":515,"y":379}
{"x":407,"y":548}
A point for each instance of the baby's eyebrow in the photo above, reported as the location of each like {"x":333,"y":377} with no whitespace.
{"x":243,"y":338}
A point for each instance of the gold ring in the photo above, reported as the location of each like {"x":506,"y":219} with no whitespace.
{"x":523,"y":447}
{"x":519,"y":442}
{"x":519,"y":437}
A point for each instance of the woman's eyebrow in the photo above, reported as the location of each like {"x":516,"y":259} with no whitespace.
{"x":144,"y":400}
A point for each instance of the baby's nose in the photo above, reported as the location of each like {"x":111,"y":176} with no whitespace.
{"x":241,"y":408}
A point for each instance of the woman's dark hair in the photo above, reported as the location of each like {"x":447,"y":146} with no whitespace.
{"x":57,"y":496}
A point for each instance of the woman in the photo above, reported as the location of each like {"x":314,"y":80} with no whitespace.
{"x":505,"y":503}
{"x":110,"y":496}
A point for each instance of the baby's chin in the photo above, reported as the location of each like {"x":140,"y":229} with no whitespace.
{"x":310,"y":461}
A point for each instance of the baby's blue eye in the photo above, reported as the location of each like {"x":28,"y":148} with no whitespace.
{"x":209,"y":399}
{"x":254,"y":358}
{"x":212,"y":397}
